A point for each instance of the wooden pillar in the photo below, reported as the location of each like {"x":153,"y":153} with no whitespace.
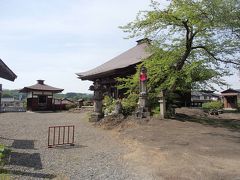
{"x":225,"y":102}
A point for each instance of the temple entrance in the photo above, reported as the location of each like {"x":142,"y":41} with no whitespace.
{"x":231,"y":102}
{"x":230,"y":98}
{"x":42,"y":102}
{"x":42,"y":99}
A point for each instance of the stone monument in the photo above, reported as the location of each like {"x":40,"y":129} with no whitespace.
{"x":162,"y":102}
{"x":142,"y":110}
{"x":97,"y":100}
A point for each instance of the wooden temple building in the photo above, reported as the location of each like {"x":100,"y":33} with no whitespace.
{"x":120,"y":66}
{"x":103,"y":76}
{"x":231,"y":98}
{"x":5,"y":73}
{"x":40,"y":96}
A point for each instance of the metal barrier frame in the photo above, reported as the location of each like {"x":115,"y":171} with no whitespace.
{"x":57,"y":141}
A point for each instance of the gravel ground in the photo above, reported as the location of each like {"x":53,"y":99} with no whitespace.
{"x":96,"y":154}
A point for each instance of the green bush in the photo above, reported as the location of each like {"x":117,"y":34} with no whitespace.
{"x":155,"y":111}
{"x":129,"y":104}
{"x":3,"y":153}
{"x":108,"y":104}
{"x":212,"y":105}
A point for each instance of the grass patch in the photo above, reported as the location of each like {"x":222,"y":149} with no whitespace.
{"x":4,"y":153}
{"x":4,"y":177}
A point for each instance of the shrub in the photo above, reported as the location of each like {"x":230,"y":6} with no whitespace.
{"x":129,"y":104}
{"x":108,"y":104}
{"x":156,"y":111}
{"x":3,"y":153}
{"x":212,"y":105}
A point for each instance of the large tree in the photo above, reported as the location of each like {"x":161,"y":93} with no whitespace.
{"x":195,"y":43}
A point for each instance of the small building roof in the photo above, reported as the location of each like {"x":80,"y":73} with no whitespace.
{"x":132,"y":56}
{"x":230,"y":90}
{"x":63,"y":101}
{"x":6,"y":72}
{"x":40,"y":86}
{"x":204,"y":93}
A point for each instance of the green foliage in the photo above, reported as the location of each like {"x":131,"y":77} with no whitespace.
{"x":4,"y":174}
{"x":3,"y":153}
{"x":156,"y":110}
{"x":129,"y":104}
{"x":71,"y":95}
{"x":13,"y":94}
{"x":74,"y":96}
{"x":192,"y":45}
{"x":6,"y":95}
{"x":212,"y":105}
{"x":108,"y":104}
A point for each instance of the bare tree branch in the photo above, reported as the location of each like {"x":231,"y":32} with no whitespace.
{"x":214,"y":57}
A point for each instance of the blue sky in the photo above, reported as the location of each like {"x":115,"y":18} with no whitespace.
{"x":54,"y":39}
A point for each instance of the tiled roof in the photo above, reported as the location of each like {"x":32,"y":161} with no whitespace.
{"x":204,"y":93}
{"x":40,"y":86}
{"x":230,"y":90}
{"x":132,"y":56}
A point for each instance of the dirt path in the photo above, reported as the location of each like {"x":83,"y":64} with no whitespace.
{"x":96,"y":154}
{"x":159,"y":149}
{"x":175,"y":150}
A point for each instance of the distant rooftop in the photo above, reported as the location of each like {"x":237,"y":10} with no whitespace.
{"x":203,"y":93}
{"x":230,"y":90}
{"x":40,"y":86}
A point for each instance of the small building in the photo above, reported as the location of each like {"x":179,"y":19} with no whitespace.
{"x":10,"y":102}
{"x":40,"y":96}
{"x":200,"y":97}
{"x":231,"y":98}
{"x":12,"y":105}
{"x":63,"y":104}
{"x":80,"y":102}
{"x":5,"y":73}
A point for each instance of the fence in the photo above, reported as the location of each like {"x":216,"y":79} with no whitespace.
{"x":13,"y":109}
{"x":60,"y":135}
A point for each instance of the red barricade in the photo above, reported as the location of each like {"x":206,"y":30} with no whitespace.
{"x":60,"y":135}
